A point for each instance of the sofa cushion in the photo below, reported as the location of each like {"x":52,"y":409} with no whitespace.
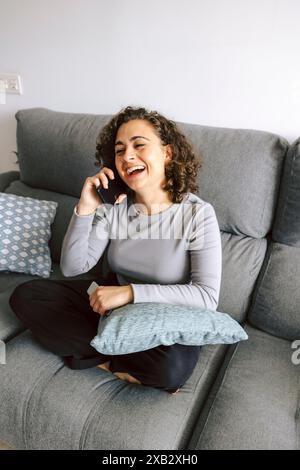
{"x":56,"y":150}
{"x":240,"y":175}
{"x":7,"y":178}
{"x":46,"y":405}
{"x":242,"y":259}
{"x":287,"y":222}
{"x":146,"y":325}
{"x":276,"y":300}
{"x":25,"y":230}
{"x":257,"y":404}
{"x":64,"y":211}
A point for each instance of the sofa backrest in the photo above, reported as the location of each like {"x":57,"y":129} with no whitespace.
{"x":55,"y":154}
{"x":276,"y":301}
{"x":56,"y":150}
{"x":240,"y":177}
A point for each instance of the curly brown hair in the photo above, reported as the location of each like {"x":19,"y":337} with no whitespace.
{"x":181,"y":172}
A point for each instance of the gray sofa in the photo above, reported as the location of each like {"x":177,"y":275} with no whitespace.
{"x":241,"y":396}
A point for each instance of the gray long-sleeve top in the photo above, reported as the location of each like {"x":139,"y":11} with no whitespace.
{"x":174,"y":256}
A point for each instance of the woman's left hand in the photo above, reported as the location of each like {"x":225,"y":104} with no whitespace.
{"x":107,"y":297}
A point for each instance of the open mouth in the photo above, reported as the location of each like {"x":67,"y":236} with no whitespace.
{"x":135,"y":173}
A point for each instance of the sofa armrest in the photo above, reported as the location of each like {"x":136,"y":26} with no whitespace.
{"x":7,"y":177}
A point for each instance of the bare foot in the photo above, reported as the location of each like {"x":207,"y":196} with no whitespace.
{"x":175,"y":392}
{"x":105,"y":366}
{"x":127,"y":377}
{"x":122,"y":375}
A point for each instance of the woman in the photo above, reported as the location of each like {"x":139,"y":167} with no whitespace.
{"x":157,"y":168}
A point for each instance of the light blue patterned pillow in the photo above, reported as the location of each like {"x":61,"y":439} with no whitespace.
{"x":139,"y":327}
{"x":24,"y":234}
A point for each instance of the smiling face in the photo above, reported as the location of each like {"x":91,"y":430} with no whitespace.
{"x":137,"y":144}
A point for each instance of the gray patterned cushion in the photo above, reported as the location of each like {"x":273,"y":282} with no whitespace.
{"x":24,"y":234}
{"x":139,"y":327}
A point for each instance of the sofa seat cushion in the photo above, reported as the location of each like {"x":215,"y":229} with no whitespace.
{"x":10,"y":325}
{"x":256,"y":405}
{"x":46,"y":405}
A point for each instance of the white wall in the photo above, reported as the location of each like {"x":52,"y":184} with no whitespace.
{"x":228,"y":63}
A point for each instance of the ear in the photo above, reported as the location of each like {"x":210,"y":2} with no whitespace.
{"x":169,"y":152}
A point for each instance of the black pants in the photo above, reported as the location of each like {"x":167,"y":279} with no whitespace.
{"x":60,"y":317}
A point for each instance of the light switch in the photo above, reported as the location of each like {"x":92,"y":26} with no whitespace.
{"x":11,"y":83}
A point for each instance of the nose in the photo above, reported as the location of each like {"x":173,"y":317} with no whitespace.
{"x":129,"y":154}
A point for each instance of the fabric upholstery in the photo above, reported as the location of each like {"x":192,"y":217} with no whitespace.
{"x":257,"y":405}
{"x":25,"y":230}
{"x":139,"y":327}
{"x":275,"y":306}
{"x":56,"y":150}
{"x":242,"y":259}
{"x":46,"y":405}
{"x":287,"y":223}
{"x":250,"y":159}
{"x":7,"y":178}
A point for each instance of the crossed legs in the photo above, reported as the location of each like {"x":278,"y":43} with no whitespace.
{"x":60,"y":317}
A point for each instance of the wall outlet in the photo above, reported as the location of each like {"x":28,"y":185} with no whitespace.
{"x":11,"y":83}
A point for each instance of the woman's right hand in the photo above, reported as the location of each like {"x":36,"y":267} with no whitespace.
{"x":89,"y":199}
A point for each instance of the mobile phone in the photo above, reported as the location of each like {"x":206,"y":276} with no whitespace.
{"x":109,"y":195}
{"x":91,"y":289}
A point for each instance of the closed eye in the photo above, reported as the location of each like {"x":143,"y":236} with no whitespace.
{"x":138,"y":145}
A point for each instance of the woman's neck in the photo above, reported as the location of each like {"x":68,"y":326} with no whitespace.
{"x":153,"y":204}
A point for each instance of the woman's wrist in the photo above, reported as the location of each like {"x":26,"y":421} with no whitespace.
{"x":129,"y":294}
{"x":84,"y":210}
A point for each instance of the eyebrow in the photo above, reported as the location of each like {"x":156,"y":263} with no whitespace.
{"x":132,"y":138}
